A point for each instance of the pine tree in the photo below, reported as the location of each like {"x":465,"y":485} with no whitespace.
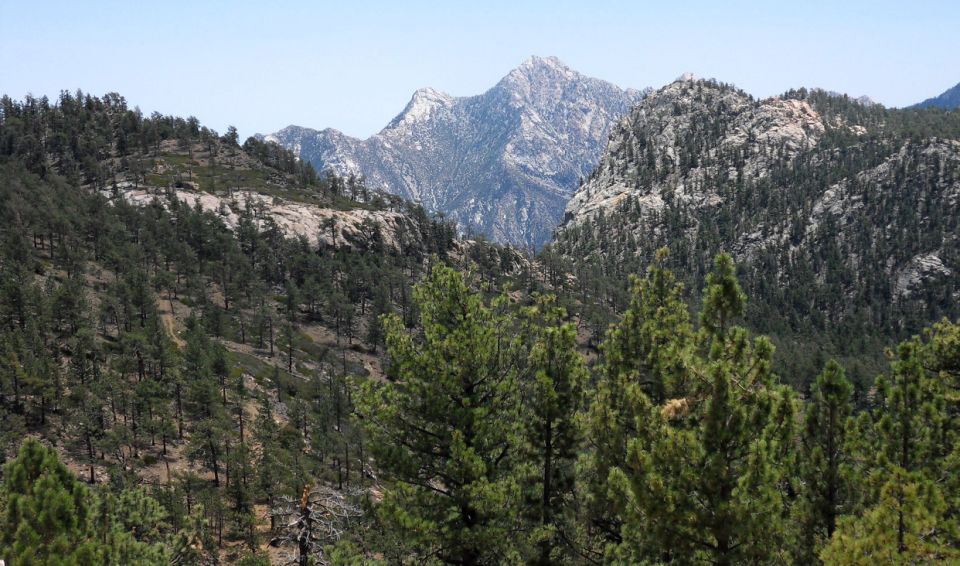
{"x":907,"y":455}
{"x":272,"y":476}
{"x":904,"y":527}
{"x":49,"y":513}
{"x":551,"y":437}
{"x":204,"y":403}
{"x":132,"y":528}
{"x":441,"y":430}
{"x":702,"y":480}
{"x":194,"y":543}
{"x":644,"y":355}
{"x":823,"y":487}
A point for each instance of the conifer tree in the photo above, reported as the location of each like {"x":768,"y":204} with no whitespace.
{"x":203,"y":403}
{"x":194,"y":544}
{"x":907,"y":453}
{"x":131,"y":526}
{"x":551,"y":438}
{"x":272,"y":476}
{"x":702,"y":479}
{"x":48,"y":511}
{"x":823,"y":487}
{"x":442,"y":429}
{"x":644,"y":355}
{"x":905,"y":526}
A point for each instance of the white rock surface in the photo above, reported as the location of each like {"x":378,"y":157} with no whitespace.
{"x":321,"y":226}
{"x":670,"y":115}
{"x":920,"y":269}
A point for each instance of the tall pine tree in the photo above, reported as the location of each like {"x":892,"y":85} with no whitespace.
{"x":442,"y":429}
{"x":552,"y":395}
{"x":823,"y":487}
{"x":702,"y":480}
{"x":644,"y":357}
{"x":907,"y":455}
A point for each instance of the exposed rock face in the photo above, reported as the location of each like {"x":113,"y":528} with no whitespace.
{"x":654,"y":142}
{"x":324,"y":227}
{"x":503,"y":163}
{"x":919,"y":270}
{"x":950,"y":99}
{"x":828,"y":204}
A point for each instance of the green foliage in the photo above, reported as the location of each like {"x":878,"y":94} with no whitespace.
{"x":822,"y":486}
{"x":903,"y":527}
{"x":905,"y":453}
{"x":51,"y":518}
{"x":644,"y":359}
{"x":702,"y":477}
{"x":442,"y":428}
{"x":551,"y":396}
{"x":49,"y":514}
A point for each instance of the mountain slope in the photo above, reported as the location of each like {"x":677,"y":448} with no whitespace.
{"x":949,"y":100}
{"x":170,"y":298}
{"x":502,"y":163}
{"x":843,"y":216}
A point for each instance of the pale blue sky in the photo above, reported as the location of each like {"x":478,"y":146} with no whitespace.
{"x":353,"y":65}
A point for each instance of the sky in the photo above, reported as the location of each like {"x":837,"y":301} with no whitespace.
{"x":261,"y":66}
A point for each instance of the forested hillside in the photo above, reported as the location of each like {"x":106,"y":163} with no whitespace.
{"x":842,"y":216}
{"x":209,"y":355}
{"x":164,"y":305}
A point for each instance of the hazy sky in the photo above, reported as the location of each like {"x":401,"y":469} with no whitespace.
{"x":353,"y":65}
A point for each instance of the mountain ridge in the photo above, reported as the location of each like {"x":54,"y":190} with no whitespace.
{"x":948,"y":99}
{"x":834,"y":209}
{"x":501,"y":163}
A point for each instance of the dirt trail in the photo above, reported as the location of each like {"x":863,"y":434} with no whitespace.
{"x":167,"y":317}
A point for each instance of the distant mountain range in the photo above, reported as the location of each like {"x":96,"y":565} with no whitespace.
{"x":503,"y":163}
{"x":950,"y":99}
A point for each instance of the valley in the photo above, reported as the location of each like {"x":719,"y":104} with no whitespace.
{"x":555,"y":323}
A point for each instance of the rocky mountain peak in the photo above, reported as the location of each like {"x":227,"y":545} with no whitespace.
{"x":422,"y":105}
{"x":502,"y":163}
{"x":431,"y":96}
{"x":539,"y":76}
{"x":537,"y":63}
{"x":682,"y":132}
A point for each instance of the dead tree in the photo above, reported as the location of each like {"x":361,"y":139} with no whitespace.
{"x":319,"y":518}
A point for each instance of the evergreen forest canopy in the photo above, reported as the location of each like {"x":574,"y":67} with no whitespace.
{"x":177,"y":391}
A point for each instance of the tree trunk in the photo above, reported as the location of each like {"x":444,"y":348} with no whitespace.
{"x":90,"y":457}
{"x":213,"y":458}
{"x":179,"y":411}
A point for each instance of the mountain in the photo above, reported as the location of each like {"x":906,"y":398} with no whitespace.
{"x":842,"y":216}
{"x":503,"y":163}
{"x":950,"y":99}
{"x":211,"y":355}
